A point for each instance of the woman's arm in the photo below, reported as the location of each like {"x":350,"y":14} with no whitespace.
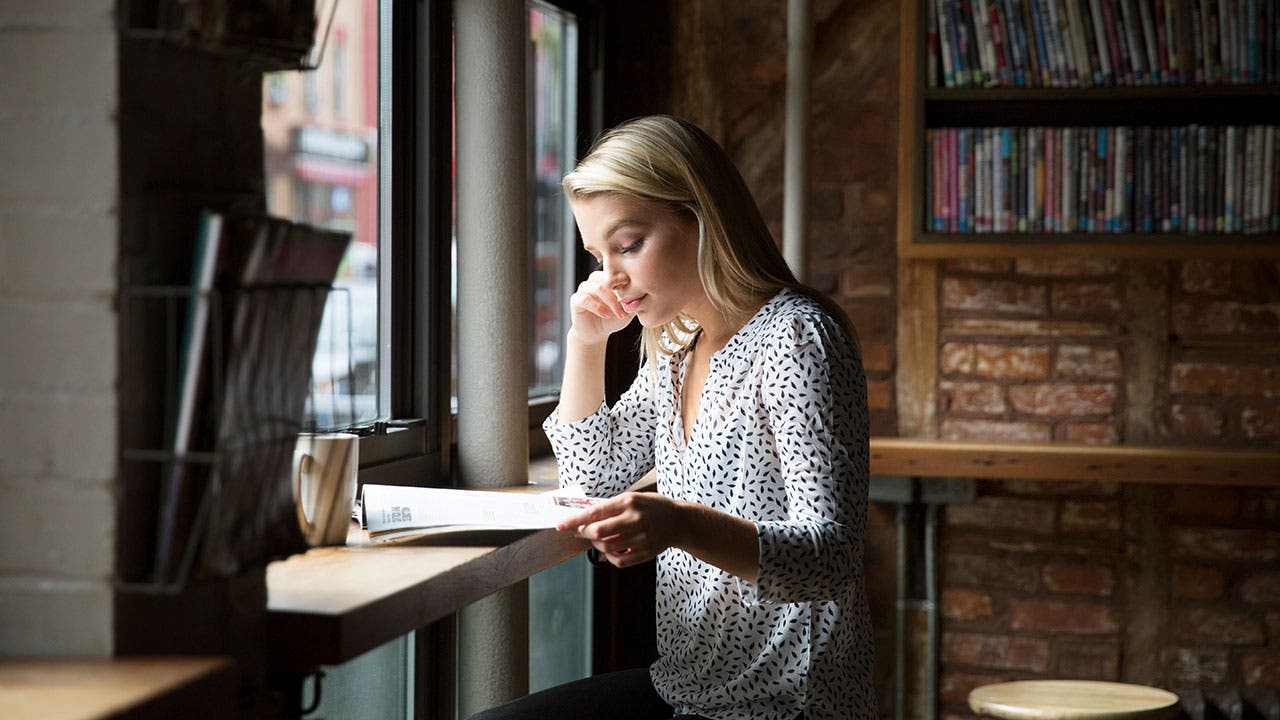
{"x":635,"y":527}
{"x":596,"y":314}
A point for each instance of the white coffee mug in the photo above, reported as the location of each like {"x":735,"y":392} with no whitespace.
{"x":324,"y":485}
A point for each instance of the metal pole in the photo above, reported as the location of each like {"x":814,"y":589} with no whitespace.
{"x":493,"y":415}
{"x":795,"y":203}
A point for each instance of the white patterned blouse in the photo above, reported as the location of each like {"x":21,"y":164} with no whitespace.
{"x":781,"y":440}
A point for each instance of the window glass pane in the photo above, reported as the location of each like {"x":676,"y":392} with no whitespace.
{"x":552,"y":108}
{"x":322,"y":169}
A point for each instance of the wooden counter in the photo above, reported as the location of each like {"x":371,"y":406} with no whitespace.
{"x":331,"y":604}
{"x":143,"y":687}
{"x":1062,"y":461}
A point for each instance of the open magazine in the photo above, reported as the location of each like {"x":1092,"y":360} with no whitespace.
{"x":399,"y":513}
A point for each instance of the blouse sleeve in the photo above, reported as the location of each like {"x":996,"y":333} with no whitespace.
{"x":605,"y":452}
{"x":815,"y":398}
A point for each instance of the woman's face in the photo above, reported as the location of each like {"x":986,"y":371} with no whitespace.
{"x":649,"y":255}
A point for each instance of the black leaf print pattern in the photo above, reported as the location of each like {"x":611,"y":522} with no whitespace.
{"x":781,"y":439}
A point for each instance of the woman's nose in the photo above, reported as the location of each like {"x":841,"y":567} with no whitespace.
{"x":613,"y":275}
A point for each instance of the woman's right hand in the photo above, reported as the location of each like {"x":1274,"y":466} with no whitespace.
{"x":596,"y":311}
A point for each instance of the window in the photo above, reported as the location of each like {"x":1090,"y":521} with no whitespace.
{"x":554,"y":111}
{"x":331,"y":137}
{"x":323,"y":170}
{"x":553,"y":129}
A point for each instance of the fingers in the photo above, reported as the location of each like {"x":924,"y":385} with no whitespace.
{"x":595,"y":295}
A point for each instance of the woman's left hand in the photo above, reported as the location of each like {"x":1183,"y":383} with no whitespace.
{"x":631,"y":528}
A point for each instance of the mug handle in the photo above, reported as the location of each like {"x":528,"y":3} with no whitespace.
{"x":301,"y":459}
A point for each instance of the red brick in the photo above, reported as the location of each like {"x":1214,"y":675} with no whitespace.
{"x":880,"y":394}
{"x":823,"y":282}
{"x":1060,"y":487}
{"x":1213,"y":626}
{"x":1064,"y":399}
{"x":972,"y":397}
{"x":864,"y":280}
{"x":1204,"y":501}
{"x":884,"y":423}
{"x":998,"y":430}
{"x":1225,"y":380}
{"x":980,"y":266}
{"x":877,"y":356}
{"x":826,"y":202}
{"x":1087,"y":516}
{"x":994,"y":296}
{"x":1077,"y":618}
{"x":1192,"y":582}
{"x":1001,"y":652}
{"x":1261,"y":670}
{"x":966,"y":605}
{"x":1092,"y":361}
{"x":1262,"y":589}
{"x":989,"y":572}
{"x":1193,"y":667}
{"x":1091,"y":660}
{"x":954,"y":687}
{"x":1035,"y":516}
{"x":1081,"y":299}
{"x":1221,"y":317}
{"x":1254,"y":546}
{"x":1260,"y":505}
{"x":874,"y":322}
{"x":1196,"y":421}
{"x":995,"y":361}
{"x":1261,"y":421}
{"x":1067,"y":267}
{"x":1205,"y":277}
{"x":1092,"y":433}
{"x":1078,"y":578}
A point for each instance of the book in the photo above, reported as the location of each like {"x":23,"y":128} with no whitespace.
{"x":396,"y":513}
{"x":184,"y":481}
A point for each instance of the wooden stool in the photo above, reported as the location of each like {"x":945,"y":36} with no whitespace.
{"x":1072,"y":700}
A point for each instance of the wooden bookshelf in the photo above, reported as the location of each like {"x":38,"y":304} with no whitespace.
{"x":923,"y":107}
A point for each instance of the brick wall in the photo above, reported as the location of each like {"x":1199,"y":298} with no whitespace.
{"x":1039,"y":581}
{"x":1030,"y":350}
{"x":58,"y":246}
{"x":1168,"y":586}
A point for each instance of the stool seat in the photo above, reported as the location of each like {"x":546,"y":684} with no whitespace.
{"x":1072,"y":700}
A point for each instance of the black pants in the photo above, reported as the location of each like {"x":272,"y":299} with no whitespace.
{"x":624,"y":695}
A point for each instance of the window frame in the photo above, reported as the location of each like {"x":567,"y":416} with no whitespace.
{"x":589,"y":105}
{"x":412,"y":446}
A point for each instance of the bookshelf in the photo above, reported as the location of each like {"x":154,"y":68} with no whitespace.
{"x":1084,"y":107}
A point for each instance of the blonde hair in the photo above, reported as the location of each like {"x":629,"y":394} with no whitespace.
{"x":672,"y":162}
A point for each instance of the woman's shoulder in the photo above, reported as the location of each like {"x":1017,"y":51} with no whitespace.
{"x":795,"y":317}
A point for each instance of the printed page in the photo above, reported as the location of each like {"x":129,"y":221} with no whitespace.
{"x":393,"y":511}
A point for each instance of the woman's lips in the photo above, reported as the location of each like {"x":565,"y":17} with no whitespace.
{"x":631,"y":304}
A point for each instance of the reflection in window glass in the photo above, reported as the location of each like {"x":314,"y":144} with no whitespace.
{"x":322,"y":169}
{"x":552,"y":108}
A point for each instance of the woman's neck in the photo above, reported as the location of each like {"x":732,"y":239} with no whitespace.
{"x":715,"y":328}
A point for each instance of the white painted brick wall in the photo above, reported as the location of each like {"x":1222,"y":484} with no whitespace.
{"x":59,"y":238}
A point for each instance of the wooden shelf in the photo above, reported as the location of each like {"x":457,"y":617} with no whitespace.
{"x":921,"y":107}
{"x":1166,"y":246}
{"x":126,"y":687}
{"x":1198,"y":93}
{"x":1062,"y":461}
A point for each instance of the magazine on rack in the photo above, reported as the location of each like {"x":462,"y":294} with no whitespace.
{"x":442,"y":516}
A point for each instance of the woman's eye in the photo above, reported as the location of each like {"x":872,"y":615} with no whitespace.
{"x":632,"y":247}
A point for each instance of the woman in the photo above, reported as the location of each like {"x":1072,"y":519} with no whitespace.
{"x":752,"y":406}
